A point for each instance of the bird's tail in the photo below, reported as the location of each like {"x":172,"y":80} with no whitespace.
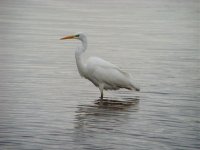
{"x":135,"y":88}
{"x":133,"y":85}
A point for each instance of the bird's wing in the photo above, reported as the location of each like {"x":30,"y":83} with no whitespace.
{"x":101,"y":71}
{"x":94,"y":62}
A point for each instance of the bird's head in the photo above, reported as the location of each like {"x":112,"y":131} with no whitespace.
{"x":79,"y":36}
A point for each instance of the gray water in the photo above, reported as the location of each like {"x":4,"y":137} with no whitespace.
{"x":45,"y":104}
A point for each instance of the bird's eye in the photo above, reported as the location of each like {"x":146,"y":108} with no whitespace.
{"x":77,"y":35}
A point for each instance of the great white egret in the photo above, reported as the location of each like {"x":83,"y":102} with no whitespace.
{"x":101,"y":73}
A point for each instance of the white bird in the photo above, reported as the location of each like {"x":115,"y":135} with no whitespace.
{"x":101,"y":73}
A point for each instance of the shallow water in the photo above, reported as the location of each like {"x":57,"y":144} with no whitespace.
{"x":45,"y":104}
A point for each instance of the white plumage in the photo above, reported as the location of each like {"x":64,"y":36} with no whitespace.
{"x":101,"y":73}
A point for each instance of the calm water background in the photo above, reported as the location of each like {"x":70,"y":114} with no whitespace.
{"x":45,"y":104}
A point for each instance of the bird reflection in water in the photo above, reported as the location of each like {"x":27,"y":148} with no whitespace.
{"x":93,"y":122}
{"x":117,"y":104}
{"x":107,"y":107}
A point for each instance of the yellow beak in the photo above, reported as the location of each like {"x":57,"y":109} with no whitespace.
{"x":68,"y":37}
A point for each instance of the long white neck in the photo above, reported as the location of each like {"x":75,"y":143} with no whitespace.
{"x":78,"y":55}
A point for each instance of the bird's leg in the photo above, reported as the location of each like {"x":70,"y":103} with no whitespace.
{"x":102,"y":94}
{"x":101,"y":86}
